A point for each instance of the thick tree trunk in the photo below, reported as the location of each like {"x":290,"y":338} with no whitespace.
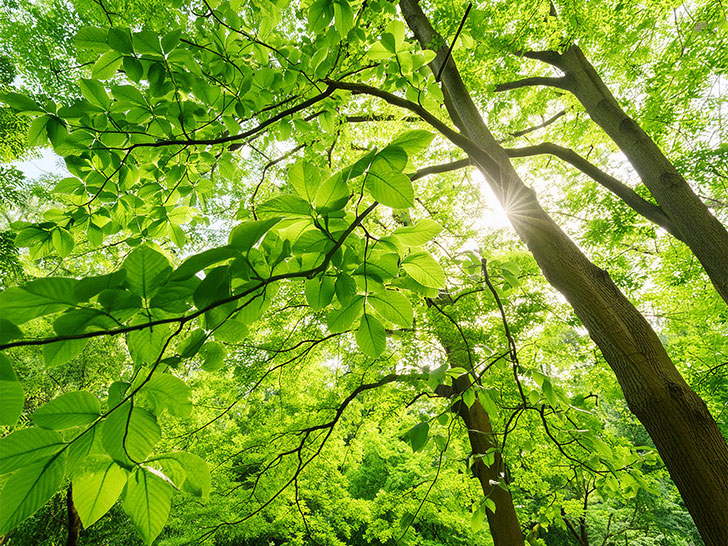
{"x":74,"y":522}
{"x":699,"y":229}
{"x":504,"y":526}
{"x":678,"y":421}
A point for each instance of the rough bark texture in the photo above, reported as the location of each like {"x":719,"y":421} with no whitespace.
{"x":699,"y":229}
{"x":504,"y":526}
{"x":678,"y":421}
{"x":74,"y":522}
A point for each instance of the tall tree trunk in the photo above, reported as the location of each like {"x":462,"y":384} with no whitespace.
{"x":503,"y":523}
{"x":74,"y":522}
{"x":698,"y":228}
{"x":678,"y":421}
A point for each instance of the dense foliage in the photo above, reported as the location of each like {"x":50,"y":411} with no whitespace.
{"x":269,"y":293}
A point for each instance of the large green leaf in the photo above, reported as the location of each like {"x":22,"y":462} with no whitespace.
{"x":60,"y":352}
{"x":423,"y":231}
{"x":370,"y":336}
{"x":246,"y":235}
{"x":11,"y":393}
{"x":107,"y":65}
{"x":68,"y":410}
{"x":146,"y":345}
{"x":30,"y":488}
{"x":319,"y":292}
{"x":413,"y":142}
{"x":424,"y":269}
{"x":146,"y":271}
{"x":391,"y":188}
{"x":198,"y":262}
{"x":340,"y":320}
{"x":148,"y":502}
{"x":37,"y":298}
{"x":394,"y":307}
{"x":129,"y":434}
{"x":96,"y":486}
{"x":27,"y":446}
{"x":188,"y":472}
{"x":165,"y":391}
{"x":332,"y":195}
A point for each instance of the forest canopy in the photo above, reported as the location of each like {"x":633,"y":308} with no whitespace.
{"x":350,"y":272}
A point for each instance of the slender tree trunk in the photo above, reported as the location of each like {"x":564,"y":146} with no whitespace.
{"x":74,"y":522}
{"x":698,"y":228}
{"x":678,"y":421}
{"x":503,"y":523}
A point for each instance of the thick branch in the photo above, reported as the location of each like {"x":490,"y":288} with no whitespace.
{"x":561,"y":83}
{"x":546,"y":123}
{"x":643,"y":207}
{"x":443,"y":168}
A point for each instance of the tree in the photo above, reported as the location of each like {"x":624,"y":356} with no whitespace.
{"x":150,"y":148}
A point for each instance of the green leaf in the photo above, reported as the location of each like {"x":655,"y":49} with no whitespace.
{"x":165,"y":391}
{"x":129,"y":434}
{"x":214,"y":356}
{"x":8,"y":330}
{"x":386,"y":182}
{"x":319,"y":292}
{"x":340,"y":320}
{"x":488,"y":403}
{"x":133,"y":68}
{"x":37,"y":136}
{"x":27,"y":446}
{"x":146,"y":271}
{"x":413,"y":142}
{"x":95,"y":93}
{"x":96,"y":487}
{"x":147,"y":41}
{"x":60,"y":352}
{"x":423,"y":268}
{"x":192,"y":343}
{"x":332,"y":195}
{"x":21,"y":103}
{"x":477,"y":519}
{"x":91,"y":38}
{"x":148,"y":502}
{"x":284,"y":205}
{"x":146,"y":345}
{"x":68,"y":410}
{"x":194,"y":264}
{"x":548,"y":391}
{"x":106,"y":66}
{"x":188,"y":472}
{"x":37,"y":298}
{"x":418,"y":436}
{"x":214,"y":287}
{"x":419,"y":234}
{"x":11,"y":393}
{"x":345,"y":288}
{"x":120,"y":40}
{"x":246,"y":235}
{"x":394,"y":307}
{"x":371,"y":337}
{"x":30,"y":488}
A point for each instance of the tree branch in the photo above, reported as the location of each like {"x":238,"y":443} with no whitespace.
{"x":560,"y":82}
{"x":643,"y":207}
{"x":442,"y":168}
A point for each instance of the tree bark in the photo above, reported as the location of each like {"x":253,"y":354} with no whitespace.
{"x":74,"y":522}
{"x":503,"y":523}
{"x":699,"y":229}
{"x":678,"y":421}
